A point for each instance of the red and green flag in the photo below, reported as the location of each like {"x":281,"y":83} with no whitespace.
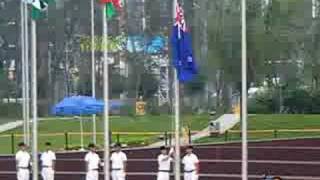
{"x":112,"y":7}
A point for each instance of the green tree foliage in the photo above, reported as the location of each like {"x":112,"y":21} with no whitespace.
{"x":298,"y":101}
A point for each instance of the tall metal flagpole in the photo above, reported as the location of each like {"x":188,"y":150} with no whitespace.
{"x":23,"y":64}
{"x":27,"y":72}
{"x":34,"y":100}
{"x":177,"y":113}
{"x":244,"y":93}
{"x":106,"y":94}
{"x":177,"y":127}
{"x":93,"y":72}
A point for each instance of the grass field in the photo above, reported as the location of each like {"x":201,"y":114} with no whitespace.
{"x":161,"y":124}
{"x":285,"y":121}
{"x":123,"y":124}
{"x":273,"y":122}
{"x":117,"y":124}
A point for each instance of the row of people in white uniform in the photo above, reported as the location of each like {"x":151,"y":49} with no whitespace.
{"x":190,"y":162}
{"x":118,"y":166}
{"x":23,"y":163}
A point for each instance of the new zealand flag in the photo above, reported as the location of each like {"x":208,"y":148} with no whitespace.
{"x":182,"y":53}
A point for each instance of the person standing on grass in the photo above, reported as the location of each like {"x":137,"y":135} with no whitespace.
{"x":93,"y":161}
{"x":48,"y":160}
{"x":191,"y":165}
{"x":23,"y":162}
{"x":164,"y":163}
{"x":119,"y":163}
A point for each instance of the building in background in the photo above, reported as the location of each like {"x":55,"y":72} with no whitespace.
{"x":10,"y":56}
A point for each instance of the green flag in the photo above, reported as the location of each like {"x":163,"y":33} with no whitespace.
{"x":111,"y":10}
{"x":39,"y":8}
{"x":112,"y":6}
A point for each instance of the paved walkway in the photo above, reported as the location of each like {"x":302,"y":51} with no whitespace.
{"x":227,"y":121}
{"x":12,"y":125}
{"x":184,"y":140}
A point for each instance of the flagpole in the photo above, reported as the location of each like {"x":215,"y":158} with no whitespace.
{"x":106,"y":94}
{"x":177,"y":114}
{"x":177,"y":127}
{"x":93,"y":72}
{"x":244,"y":93}
{"x":81,"y":133}
{"x":34,"y":101}
{"x":27,"y":72}
{"x":23,"y":64}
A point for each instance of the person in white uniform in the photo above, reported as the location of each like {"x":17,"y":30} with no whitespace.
{"x":93,"y":161}
{"x":23,"y":162}
{"x":191,"y":165}
{"x":164,"y":163}
{"x":119,"y":163}
{"x":48,"y":159}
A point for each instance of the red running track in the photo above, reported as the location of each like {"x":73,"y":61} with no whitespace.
{"x":293,"y":159}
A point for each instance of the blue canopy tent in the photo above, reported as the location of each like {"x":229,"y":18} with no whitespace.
{"x":83,"y":106}
{"x":78,"y":106}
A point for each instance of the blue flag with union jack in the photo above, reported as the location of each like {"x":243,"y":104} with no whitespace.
{"x":182,"y":53}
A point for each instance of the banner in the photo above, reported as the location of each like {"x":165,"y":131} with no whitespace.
{"x":140,"y":108}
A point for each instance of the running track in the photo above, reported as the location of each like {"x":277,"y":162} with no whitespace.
{"x":292,"y":159}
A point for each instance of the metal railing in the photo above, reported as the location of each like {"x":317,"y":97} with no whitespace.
{"x":71,"y":140}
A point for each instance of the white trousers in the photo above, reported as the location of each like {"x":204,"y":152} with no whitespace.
{"x":23,"y":174}
{"x":92,"y":175}
{"x":118,"y":175}
{"x":47,"y":174}
{"x":191,"y":176}
{"x":163,"y":176}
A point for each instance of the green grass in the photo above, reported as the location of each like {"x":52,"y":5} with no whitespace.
{"x":263,"y":136}
{"x":122,"y":124}
{"x":273,"y":122}
{"x":117,"y":124}
{"x":161,"y":124}
{"x":279,"y":121}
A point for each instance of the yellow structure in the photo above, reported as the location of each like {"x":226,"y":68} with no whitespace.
{"x":140,"y":108}
{"x":237,"y":110}
{"x":185,"y":136}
